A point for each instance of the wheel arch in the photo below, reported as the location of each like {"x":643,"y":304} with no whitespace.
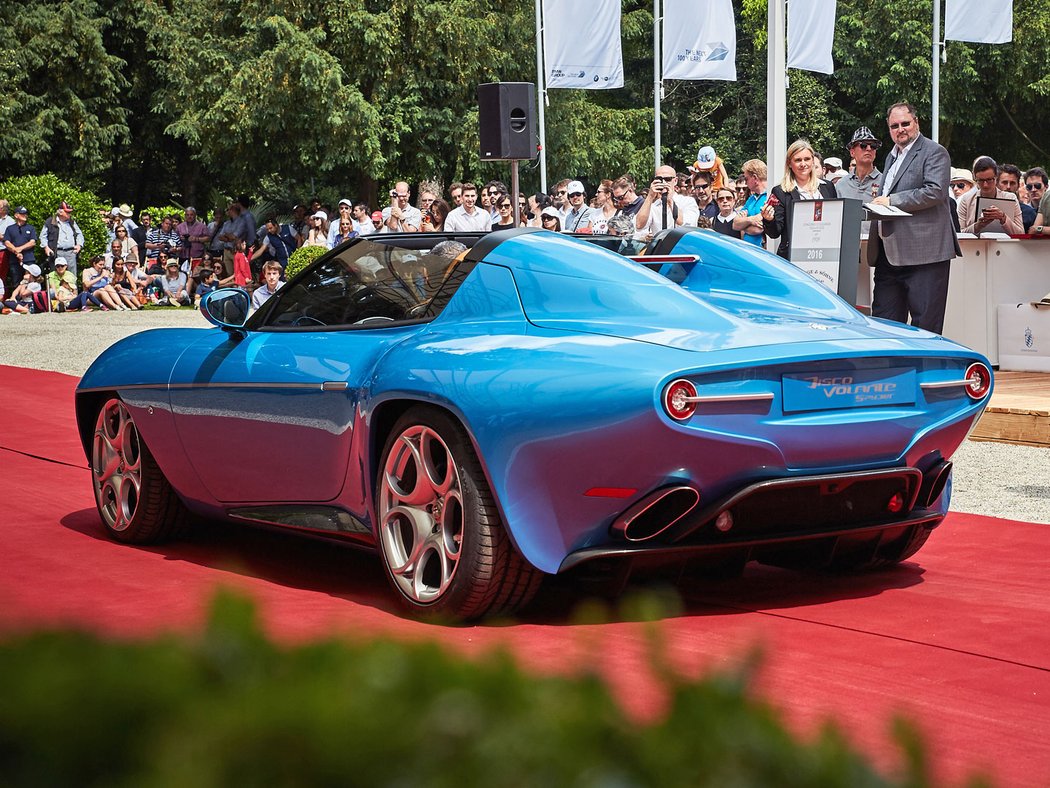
{"x":381,"y":423}
{"x":87,"y":405}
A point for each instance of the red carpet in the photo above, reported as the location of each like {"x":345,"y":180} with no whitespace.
{"x":957,"y":641}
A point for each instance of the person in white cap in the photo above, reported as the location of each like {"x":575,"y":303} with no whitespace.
{"x":708,"y":161}
{"x":578,"y":217}
{"x":318,"y":233}
{"x":345,"y":210}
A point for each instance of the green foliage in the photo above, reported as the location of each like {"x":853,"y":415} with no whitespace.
{"x":60,"y":109}
{"x":232,"y":708}
{"x":41,"y":195}
{"x":302,"y":257}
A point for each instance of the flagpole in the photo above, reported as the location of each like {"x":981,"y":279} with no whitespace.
{"x":776,"y":92}
{"x":541,"y":98}
{"x":935,"y":99}
{"x":657,"y":82}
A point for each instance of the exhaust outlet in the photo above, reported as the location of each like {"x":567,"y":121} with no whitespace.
{"x":933,"y":482}
{"x":655,"y":513}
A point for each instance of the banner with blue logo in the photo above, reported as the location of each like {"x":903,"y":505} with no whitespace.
{"x":699,"y":40}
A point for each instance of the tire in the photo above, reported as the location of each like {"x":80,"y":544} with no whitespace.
{"x":445,"y":550}
{"x":135,"y":501}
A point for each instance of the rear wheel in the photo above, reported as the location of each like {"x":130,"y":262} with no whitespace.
{"x":444,"y":547}
{"x":136,"y":503}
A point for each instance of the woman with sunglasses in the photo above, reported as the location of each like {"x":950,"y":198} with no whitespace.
{"x":318,"y":233}
{"x":550,"y":219}
{"x":603,"y":208}
{"x":128,"y":247}
{"x":505,"y":209}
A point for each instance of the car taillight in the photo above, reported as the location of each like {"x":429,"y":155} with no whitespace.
{"x":680,"y":399}
{"x":978,"y":380}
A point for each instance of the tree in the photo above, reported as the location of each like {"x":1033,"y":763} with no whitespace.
{"x":60,"y":109}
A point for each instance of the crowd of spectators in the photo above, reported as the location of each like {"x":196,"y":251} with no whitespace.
{"x":174,"y":260}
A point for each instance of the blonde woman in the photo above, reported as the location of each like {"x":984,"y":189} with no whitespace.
{"x":801,"y":182}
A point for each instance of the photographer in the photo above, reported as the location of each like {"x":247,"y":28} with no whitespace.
{"x":401,"y":217}
{"x":163,"y":237}
{"x":662,"y":207}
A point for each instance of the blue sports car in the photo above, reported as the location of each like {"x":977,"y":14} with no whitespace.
{"x":536,"y":403}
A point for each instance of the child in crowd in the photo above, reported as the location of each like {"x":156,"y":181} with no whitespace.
{"x":242,"y":272}
{"x":207,"y":280}
{"x":725,"y":198}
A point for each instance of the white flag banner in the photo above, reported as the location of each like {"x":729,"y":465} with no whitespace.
{"x":581,"y":44}
{"x":979,"y":21}
{"x":699,"y":40}
{"x":810,"y":33}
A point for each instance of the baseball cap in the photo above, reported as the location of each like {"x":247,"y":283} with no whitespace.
{"x":33,"y":268}
{"x":114,"y":212}
{"x":22,"y":210}
{"x":320,"y":215}
{"x":346,"y":202}
{"x":550,"y":210}
{"x":377,"y":216}
{"x":833,"y":163}
{"x":705,"y":158}
{"x":575,"y":187}
{"x":60,"y":261}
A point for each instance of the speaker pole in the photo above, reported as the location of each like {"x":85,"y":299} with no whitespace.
{"x":657,"y":82}
{"x":514,"y":192}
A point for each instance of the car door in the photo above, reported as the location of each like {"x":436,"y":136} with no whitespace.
{"x":267,"y":414}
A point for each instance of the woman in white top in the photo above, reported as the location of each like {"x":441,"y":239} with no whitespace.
{"x":605,"y":209}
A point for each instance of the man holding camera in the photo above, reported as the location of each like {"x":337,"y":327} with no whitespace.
{"x":663,"y":207}
{"x":163,"y":237}
{"x":401,"y":217}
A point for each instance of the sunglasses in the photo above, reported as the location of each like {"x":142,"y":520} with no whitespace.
{"x":869,"y":145}
{"x":702,"y":187}
{"x":665,"y":178}
{"x":577,"y":194}
{"x":504,"y":206}
{"x":902,"y":125}
{"x":546,"y":218}
{"x":619,"y":197}
{"x":960,"y":185}
{"x":1034,"y":186}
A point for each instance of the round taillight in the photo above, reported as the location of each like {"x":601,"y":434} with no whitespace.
{"x":978,"y":380}
{"x":680,"y":399}
{"x":895,"y":504}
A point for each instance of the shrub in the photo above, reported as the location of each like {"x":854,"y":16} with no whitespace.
{"x":41,"y":194}
{"x":302,"y":257}
{"x":231,"y":708}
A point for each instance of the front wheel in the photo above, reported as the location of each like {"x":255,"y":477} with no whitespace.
{"x":136,"y":503}
{"x":444,"y":547}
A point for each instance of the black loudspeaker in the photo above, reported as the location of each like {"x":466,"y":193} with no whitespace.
{"x":507,"y":120}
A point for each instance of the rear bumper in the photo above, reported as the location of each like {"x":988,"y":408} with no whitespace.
{"x":872,"y":506}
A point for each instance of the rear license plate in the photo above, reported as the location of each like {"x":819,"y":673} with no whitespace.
{"x":848,"y":389}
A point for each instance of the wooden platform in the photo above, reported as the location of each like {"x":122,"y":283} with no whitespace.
{"x":1019,"y":411}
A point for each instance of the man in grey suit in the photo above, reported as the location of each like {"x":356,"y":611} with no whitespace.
{"x":912,"y":255}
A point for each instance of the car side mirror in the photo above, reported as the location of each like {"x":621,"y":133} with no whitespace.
{"x":227,"y":308}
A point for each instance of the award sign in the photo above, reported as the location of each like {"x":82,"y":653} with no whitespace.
{"x":825,"y":242}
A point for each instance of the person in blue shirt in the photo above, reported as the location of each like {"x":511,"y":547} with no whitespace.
{"x":20,"y":240}
{"x":749,"y":218}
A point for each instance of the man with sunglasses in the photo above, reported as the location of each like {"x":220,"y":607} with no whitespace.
{"x":912,"y":255}
{"x":625,"y":197}
{"x":578,"y":217}
{"x":863,"y":183}
{"x":1010,"y":181}
{"x":1035,"y":182}
{"x":662,"y":207}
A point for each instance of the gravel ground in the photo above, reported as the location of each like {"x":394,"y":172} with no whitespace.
{"x":994,"y":479}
